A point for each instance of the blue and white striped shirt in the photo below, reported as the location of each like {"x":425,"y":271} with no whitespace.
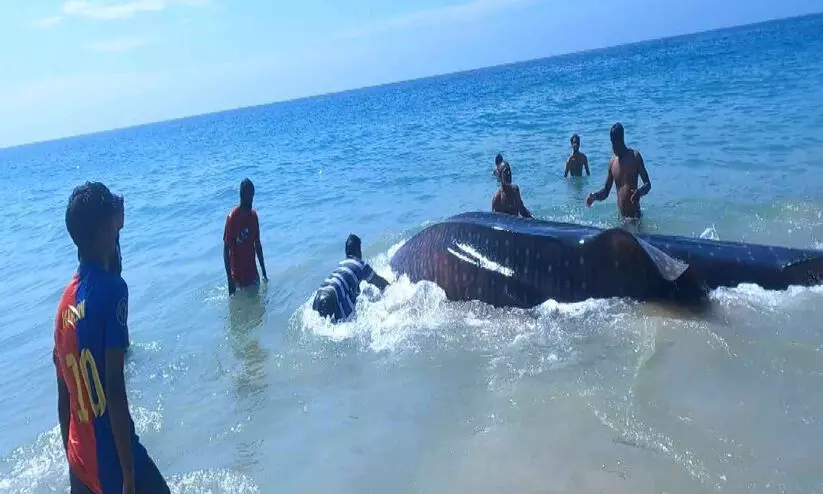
{"x":346,"y":283}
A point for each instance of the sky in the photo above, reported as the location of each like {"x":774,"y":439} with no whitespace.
{"x":71,"y":67}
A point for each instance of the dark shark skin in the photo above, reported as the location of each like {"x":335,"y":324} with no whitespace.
{"x":507,"y":261}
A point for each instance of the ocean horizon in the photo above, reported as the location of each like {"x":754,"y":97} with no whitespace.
{"x":431,"y":76}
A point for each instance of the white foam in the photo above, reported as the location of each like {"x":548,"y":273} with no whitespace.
{"x":760,"y":298}
{"x":40,"y":466}
{"x":407,"y":313}
{"x":383,"y":320}
{"x":37,"y":467}
{"x":212,"y":482}
{"x":552,"y":308}
{"x":710,"y":234}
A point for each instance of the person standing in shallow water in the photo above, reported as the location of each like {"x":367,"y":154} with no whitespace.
{"x":241,"y":241}
{"x":507,"y":199}
{"x":90,"y":338}
{"x":577,"y":161}
{"x":625,"y":167}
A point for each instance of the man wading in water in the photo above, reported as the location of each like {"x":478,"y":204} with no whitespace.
{"x":624,"y":169}
{"x":577,"y":161}
{"x":241,"y":241}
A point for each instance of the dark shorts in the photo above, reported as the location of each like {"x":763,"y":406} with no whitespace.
{"x":325,"y":303}
{"x":148,"y":481}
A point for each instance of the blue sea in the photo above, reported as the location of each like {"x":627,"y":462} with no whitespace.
{"x":418,"y":394}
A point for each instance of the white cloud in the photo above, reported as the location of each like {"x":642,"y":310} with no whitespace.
{"x":47,"y":22}
{"x":463,"y":12}
{"x":119,"y":10}
{"x":120,"y":44}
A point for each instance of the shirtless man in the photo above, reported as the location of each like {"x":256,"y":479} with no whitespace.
{"x":507,"y":199}
{"x":577,"y":160}
{"x":624,"y":168}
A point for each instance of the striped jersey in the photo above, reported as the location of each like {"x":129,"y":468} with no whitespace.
{"x":345,"y":280}
{"x":91,"y":318}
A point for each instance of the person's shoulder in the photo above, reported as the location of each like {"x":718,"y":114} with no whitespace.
{"x":353,"y":261}
{"x":114,"y":283}
{"x":233,"y":212}
{"x":583,"y":155}
{"x":108,"y":289}
{"x":636,"y":153}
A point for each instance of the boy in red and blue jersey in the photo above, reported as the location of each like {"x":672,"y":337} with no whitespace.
{"x":90,"y":339}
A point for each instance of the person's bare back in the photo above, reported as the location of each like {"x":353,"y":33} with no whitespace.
{"x":625,"y":167}
{"x":626,"y":171}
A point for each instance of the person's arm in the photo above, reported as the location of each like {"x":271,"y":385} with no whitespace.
{"x":375,"y":279}
{"x":524,"y":212}
{"x":566,"y":173}
{"x":644,"y":175}
{"x":496,"y":202}
{"x":604,"y":192}
{"x":227,"y":254}
{"x":119,"y":417}
{"x":116,"y":328}
{"x":63,"y":406}
{"x":258,"y":248}
{"x":379,"y":282}
{"x":586,"y":165}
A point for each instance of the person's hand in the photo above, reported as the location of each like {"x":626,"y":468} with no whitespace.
{"x":590,"y":200}
{"x":232,"y":287}
{"x":634,"y":197}
{"x":265,"y":279}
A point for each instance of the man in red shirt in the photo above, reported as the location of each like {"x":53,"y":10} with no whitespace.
{"x":241,"y":241}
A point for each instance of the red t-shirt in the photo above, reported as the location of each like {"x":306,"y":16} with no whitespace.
{"x":241,"y":235}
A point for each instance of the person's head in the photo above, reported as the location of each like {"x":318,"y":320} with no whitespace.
{"x":618,"y":139}
{"x":353,"y":247}
{"x":505,"y":173}
{"x":498,"y":159}
{"x":575,"y":140}
{"x":246,"y":193}
{"x":93,"y":220}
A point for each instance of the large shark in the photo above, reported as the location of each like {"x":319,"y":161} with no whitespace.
{"x":508,"y":261}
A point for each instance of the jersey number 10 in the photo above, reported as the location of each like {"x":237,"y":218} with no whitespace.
{"x":82,"y":371}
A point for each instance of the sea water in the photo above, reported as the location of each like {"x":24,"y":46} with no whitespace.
{"x":418,"y":394}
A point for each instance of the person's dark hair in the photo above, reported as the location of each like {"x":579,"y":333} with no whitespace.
{"x":618,"y":139}
{"x":90,"y":206}
{"x":498,"y":159}
{"x":574,"y":137}
{"x":617,"y":133}
{"x":246,"y":185}
{"x":353,"y":246}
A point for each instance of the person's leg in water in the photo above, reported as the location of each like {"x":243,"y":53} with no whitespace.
{"x":150,"y":481}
